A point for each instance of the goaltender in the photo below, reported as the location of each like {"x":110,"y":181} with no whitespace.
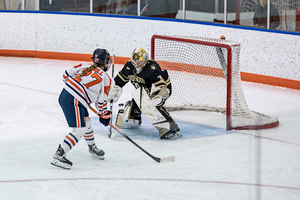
{"x":153,"y":88}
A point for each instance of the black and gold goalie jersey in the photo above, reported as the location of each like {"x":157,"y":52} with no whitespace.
{"x":151,"y":74}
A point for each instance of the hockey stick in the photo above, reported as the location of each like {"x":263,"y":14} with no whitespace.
{"x":111,"y":134}
{"x":159,"y":160}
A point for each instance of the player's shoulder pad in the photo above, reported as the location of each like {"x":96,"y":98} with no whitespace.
{"x":85,"y":65}
{"x":128,"y":65}
{"x":152,"y":65}
{"x":79,"y":65}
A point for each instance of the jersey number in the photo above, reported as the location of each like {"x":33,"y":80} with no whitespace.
{"x":94,"y":75}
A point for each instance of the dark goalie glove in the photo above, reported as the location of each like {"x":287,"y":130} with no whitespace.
{"x":105,"y":119}
{"x":161,"y":97}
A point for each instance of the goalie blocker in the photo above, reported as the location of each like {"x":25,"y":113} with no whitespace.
{"x":130,"y":116}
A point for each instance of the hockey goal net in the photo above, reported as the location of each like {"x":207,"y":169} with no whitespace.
{"x":205,"y":75}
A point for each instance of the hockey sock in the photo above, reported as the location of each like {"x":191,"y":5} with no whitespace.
{"x":89,"y":138}
{"x":89,"y":135}
{"x":71,"y":139}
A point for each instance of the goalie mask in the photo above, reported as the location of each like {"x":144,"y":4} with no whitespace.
{"x":139,"y":59}
{"x":102,"y":57}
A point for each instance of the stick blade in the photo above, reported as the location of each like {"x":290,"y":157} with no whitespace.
{"x":167,"y":159}
{"x":111,"y":135}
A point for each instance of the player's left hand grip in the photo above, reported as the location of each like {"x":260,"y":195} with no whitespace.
{"x":105,"y":119}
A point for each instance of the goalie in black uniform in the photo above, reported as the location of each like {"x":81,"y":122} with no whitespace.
{"x":153,"y":88}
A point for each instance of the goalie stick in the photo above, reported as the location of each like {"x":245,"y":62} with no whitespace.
{"x":159,"y":160}
{"x":111,"y":135}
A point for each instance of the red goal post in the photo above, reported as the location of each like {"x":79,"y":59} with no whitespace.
{"x":205,"y":76}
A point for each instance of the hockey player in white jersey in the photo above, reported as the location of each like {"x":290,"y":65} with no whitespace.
{"x":84,"y":84}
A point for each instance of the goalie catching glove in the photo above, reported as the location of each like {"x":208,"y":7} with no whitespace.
{"x":161,"y":97}
{"x":114,"y":93}
{"x":105,"y":119}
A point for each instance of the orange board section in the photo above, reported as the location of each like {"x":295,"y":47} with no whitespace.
{"x":190,"y":68}
{"x":55,"y":55}
{"x":270,"y":80}
{"x":256,"y":78}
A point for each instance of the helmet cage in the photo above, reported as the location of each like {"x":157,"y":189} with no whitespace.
{"x":139,"y":59}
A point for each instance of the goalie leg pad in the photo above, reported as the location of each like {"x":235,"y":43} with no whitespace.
{"x":157,"y":115}
{"x":119,"y":122}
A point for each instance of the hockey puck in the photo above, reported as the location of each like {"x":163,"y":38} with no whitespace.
{"x":121,"y":104}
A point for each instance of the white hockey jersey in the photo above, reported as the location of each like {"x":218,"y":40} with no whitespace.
{"x":93,"y":87}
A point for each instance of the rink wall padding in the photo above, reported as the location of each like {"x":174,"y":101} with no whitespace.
{"x":266,"y":56}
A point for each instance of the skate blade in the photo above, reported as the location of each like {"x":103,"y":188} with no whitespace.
{"x":100,"y":157}
{"x":61,"y":164}
{"x":175,"y":135}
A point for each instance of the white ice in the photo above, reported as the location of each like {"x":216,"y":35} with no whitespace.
{"x":210,"y":163}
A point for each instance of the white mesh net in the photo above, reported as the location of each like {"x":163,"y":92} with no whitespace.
{"x":197,"y":68}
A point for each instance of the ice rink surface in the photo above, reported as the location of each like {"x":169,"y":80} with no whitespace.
{"x":210,"y":162}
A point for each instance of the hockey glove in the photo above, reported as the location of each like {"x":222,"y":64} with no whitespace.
{"x":114,"y":93}
{"x":161,"y":97}
{"x":105,"y":119}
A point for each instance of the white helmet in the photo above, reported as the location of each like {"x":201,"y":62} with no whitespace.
{"x":139,"y":59}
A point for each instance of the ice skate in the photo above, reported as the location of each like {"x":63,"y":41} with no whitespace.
{"x":93,"y":149}
{"x":171,"y":134}
{"x":60,"y":160}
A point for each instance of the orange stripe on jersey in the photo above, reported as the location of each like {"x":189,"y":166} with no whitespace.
{"x":106,"y":88}
{"x":77,"y":65}
{"x":102,"y":106}
{"x":76,"y":86}
{"x":79,"y":89}
{"x":77,"y":113}
{"x":64,"y":76}
{"x":70,"y":139}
